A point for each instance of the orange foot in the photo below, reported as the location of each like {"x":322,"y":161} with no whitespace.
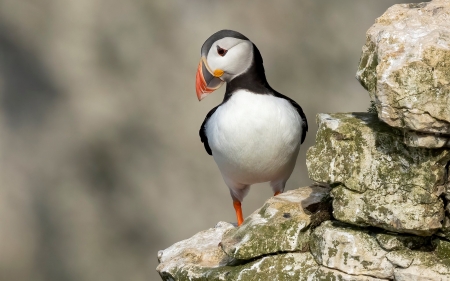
{"x":276,"y":193}
{"x":238,"y":209}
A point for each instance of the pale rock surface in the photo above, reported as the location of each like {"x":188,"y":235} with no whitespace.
{"x":405,"y":66}
{"x":338,"y":251}
{"x":400,"y":258}
{"x":194,"y":256}
{"x":418,"y":139}
{"x":378,"y":180}
{"x":283,"y":224}
{"x":420,"y":266}
{"x":280,"y":267}
{"x":393,"y":241}
{"x":283,"y":267}
{"x":359,"y":251}
{"x":324,"y":273}
{"x":352,"y":251}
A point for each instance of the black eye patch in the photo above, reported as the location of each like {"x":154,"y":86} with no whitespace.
{"x":222,"y":52}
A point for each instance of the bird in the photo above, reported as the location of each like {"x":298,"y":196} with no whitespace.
{"x":255,"y":134}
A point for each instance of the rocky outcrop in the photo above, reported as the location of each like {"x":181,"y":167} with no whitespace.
{"x":363,"y":252}
{"x":380,"y":207}
{"x":379,"y":181}
{"x":194,"y":256}
{"x":229,"y":253}
{"x":405,"y":67}
{"x":345,"y":249}
{"x":289,"y":266}
{"x":338,"y":251}
{"x":283,"y":224}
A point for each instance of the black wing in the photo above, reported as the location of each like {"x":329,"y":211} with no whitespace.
{"x":300,"y":112}
{"x":202,"y":132}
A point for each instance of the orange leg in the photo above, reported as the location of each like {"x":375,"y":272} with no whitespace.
{"x":238,"y":209}
{"x":276,"y":193}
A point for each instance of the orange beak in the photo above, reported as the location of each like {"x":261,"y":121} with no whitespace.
{"x":205,"y":81}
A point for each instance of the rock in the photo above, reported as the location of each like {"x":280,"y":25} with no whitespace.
{"x":392,"y":241}
{"x":405,"y":66}
{"x":442,"y":249}
{"x":290,"y":266}
{"x":423,"y":266}
{"x":283,"y":267}
{"x":417,"y":139}
{"x":358,"y":252}
{"x":283,"y":224}
{"x":400,"y":258}
{"x":379,"y":181}
{"x":324,"y":273}
{"x":198,"y":259}
{"x":395,"y":212}
{"x":195,"y":256}
{"x":445,"y":230}
{"x":349,"y":250}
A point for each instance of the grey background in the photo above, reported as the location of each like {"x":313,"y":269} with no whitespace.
{"x":101,"y":165}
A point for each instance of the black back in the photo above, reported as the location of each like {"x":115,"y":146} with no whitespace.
{"x":254,"y":80}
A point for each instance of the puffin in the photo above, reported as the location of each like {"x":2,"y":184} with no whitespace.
{"x":255,"y":134}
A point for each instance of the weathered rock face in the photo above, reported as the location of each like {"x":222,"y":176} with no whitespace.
{"x":445,"y":230}
{"x":419,"y":266}
{"x":393,"y":241}
{"x":353,"y":251}
{"x":417,"y":139}
{"x":405,"y":66}
{"x":282,"y":267}
{"x":194,"y":256}
{"x":283,"y":224}
{"x":338,"y":252}
{"x":358,"y":251}
{"x":379,"y":180}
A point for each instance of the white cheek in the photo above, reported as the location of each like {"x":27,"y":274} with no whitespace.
{"x":237,"y":60}
{"x":215,"y":61}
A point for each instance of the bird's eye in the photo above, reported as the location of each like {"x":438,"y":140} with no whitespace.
{"x":222,"y":52}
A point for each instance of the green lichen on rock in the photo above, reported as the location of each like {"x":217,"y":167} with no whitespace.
{"x":283,"y":267}
{"x":367,"y":74}
{"x":395,"y":212}
{"x":442,"y":249}
{"x":418,"y":139}
{"x":283,"y":224}
{"x":372,"y":108}
{"x":419,"y":265}
{"x":379,"y":180}
{"x":405,"y":68}
{"x":200,"y":258}
{"x":349,"y":249}
{"x":394,"y":241}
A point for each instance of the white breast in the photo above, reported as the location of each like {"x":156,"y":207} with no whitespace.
{"x":255,"y":138}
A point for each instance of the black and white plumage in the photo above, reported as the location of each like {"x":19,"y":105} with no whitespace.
{"x":254,"y":135}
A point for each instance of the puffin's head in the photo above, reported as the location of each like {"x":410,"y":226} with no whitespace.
{"x":225,"y":55}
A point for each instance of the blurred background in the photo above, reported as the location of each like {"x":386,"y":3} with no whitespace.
{"x":101,"y":164}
